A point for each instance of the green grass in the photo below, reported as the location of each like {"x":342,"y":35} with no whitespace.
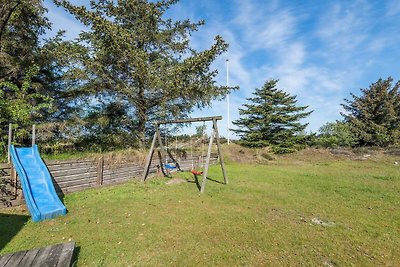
{"x":262,"y":218}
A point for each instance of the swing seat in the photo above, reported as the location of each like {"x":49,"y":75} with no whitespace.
{"x":196,"y":172}
{"x":169,"y":166}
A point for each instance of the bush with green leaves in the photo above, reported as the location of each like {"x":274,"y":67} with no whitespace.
{"x":21,"y":106}
{"x":335,"y":134}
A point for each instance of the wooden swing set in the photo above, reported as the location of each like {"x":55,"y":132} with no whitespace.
{"x":164,"y":151}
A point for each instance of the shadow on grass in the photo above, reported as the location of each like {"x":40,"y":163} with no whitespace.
{"x":197,"y":182}
{"x":10,"y":225}
{"x":215,"y":181}
{"x":75,"y":256}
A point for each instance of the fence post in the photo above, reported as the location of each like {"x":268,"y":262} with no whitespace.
{"x":33,"y":134}
{"x":13,"y":177}
{"x":100,"y":165}
{"x":9,"y":141}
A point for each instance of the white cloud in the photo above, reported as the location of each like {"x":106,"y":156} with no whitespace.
{"x":343,"y":29}
{"x":264,"y":26}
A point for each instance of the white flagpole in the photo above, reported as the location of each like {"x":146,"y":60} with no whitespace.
{"x":227,"y":100}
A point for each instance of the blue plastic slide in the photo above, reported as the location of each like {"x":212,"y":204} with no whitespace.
{"x":37,"y":186}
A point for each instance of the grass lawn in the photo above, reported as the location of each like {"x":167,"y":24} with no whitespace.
{"x":298,"y":210}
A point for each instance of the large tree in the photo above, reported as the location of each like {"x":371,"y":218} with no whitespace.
{"x":374,"y":116}
{"x":272,"y":118}
{"x":133,"y":55}
{"x":28,"y":74}
{"x":21,"y":24}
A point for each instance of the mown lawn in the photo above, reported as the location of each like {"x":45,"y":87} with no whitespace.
{"x":263,"y":217}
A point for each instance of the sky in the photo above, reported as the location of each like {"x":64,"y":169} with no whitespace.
{"x":320,"y":51}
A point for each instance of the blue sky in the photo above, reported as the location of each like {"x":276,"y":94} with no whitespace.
{"x":320,"y":51}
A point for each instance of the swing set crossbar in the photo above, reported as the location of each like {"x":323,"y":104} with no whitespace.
{"x":188,"y":120}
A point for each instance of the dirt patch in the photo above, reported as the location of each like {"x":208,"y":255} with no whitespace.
{"x":318,"y":154}
{"x":176,"y":181}
{"x":241,"y":154}
{"x":318,"y":221}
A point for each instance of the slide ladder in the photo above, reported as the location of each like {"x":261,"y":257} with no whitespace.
{"x":37,"y":185}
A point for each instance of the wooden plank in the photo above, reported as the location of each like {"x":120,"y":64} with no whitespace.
{"x":41,"y":256}
{"x":29,"y":257}
{"x":90,"y":175}
{"x":190,"y":120}
{"x":58,"y":255}
{"x":221,"y":159}
{"x":15,"y":259}
{"x":73,"y":183}
{"x":52,"y":257}
{"x":65,"y":257}
{"x":132,"y":172}
{"x":149,"y":157}
{"x":124,"y":170}
{"x":71,"y":166}
{"x":163,"y":153}
{"x":4,"y":259}
{"x":120,"y":176}
{"x":205,"y":172}
{"x":128,"y":167}
{"x":69,"y":161}
{"x":73,"y":171}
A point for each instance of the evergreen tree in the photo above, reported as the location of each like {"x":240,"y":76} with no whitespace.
{"x":21,"y":24}
{"x":28,"y":74}
{"x":272,"y":119}
{"x":374,"y":117}
{"x":132,"y":55}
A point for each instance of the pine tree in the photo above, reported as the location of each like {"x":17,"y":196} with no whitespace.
{"x":135,"y":56}
{"x":272,"y":119}
{"x":22,"y":22}
{"x":27,"y":74}
{"x":374,"y":117}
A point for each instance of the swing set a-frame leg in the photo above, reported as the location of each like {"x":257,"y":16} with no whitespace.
{"x":216,"y":135}
{"x":221,"y":159}
{"x":148,"y":158}
{"x":203,"y":182}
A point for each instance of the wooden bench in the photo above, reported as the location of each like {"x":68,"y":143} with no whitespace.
{"x":59,"y":255}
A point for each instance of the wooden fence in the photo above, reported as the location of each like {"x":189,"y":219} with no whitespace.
{"x":76,"y":175}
